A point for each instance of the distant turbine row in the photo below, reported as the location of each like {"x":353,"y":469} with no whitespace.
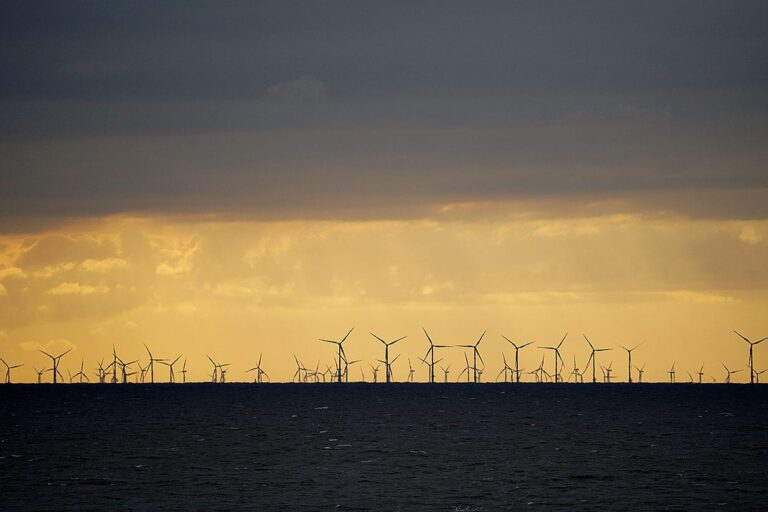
{"x":120,"y":371}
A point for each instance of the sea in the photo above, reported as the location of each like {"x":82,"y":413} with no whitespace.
{"x":409,"y":447}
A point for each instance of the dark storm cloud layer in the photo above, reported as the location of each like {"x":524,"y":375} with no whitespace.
{"x":286,"y":109}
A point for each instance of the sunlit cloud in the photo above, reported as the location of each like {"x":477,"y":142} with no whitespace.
{"x":73,"y":288}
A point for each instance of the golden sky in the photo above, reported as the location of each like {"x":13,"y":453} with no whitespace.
{"x":235,"y":289}
{"x":237,"y":179}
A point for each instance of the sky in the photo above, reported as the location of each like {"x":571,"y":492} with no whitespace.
{"x":243,"y":178}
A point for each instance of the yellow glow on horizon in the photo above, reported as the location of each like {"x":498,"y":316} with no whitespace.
{"x":238,"y":289}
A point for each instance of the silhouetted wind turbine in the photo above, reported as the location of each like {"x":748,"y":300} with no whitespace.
{"x":517,"y":349}
{"x":55,"y":363}
{"x":114,"y":364}
{"x":411,"y":371}
{"x":593,"y":357}
{"x":260,"y":372}
{"x":577,"y":377}
{"x":299,"y":368}
{"x":671,"y":373}
{"x":629,"y":360}
{"x":184,"y":372}
{"x":751,"y":361}
{"x":729,"y":373}
{"x":475,"y":355}
{"x":342,"y":355}
{"x":556,"y":350}
{"x":123,"y":368}
{"x":446,"y":371}
{"x":758,"y":374}
{"x":8,"y":369}
{"x":171,"y":375}
{"x":504,"y":368}
{"x":387,"y":344}
{"x":431,"y":353}
{"x":700,"y":373}
{"x":640,"y":371}
{"x":81,"y":374}
{"x":607,"y":372}
{"x":40,"y":374}
{"x":152,"y":362}
{"x":374,"y":372}
{"x":101,"y":372}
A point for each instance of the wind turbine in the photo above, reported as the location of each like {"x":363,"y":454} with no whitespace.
{"x":466,"y":368}
{"x":431,"y":354}
{"x":556,"y":350}
{"x":171,"y":376}
{"x":577,"y":377}
{"x":593,"y":357}
{"x":629,"y":360}
{"x":607,"y":372}
{"x":411,"y":371}
{"x":347,"y":364}
{"x":388,"y":365}
{"x":40,"y":374}
{"x":475,"y":356}
{"x":342,"y":355}
{"x":446,"y":371}
{"x":504,"y":369}
{"x":8,"y":369}
{"x":640,"y":371}
{"x":55,"y":363}
{"x":152,"y":362}
{"x":375,"y":372}
{"x":758,"y":374}
{"x":299,"y":368}
{"x":517,"y":349}
{"x":729,"y":373}
{"x":123,"y":368}
{"x":260,"y":372}
{"x":114,"y":364}
{"x":184,"y":372}
{"x":101,"y":372}
{"x":700,"y":373}
{"x":387,"y":344}
{"x":81,"y":374}
{"x":671,"y":373}
{"x":751,"y":346}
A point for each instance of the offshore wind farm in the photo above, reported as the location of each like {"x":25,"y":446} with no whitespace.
{"x":405,"y":255}
{"x":336,"y":368}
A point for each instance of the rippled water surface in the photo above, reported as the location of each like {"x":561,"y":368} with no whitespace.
{"x":376,"y":447}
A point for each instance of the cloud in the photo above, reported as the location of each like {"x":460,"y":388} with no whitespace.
{"x":102,"y":266}
{"x":299,"y":90}
{"x":362,"y":112}
{"x":74,"y":288}
{"x":54,"y":346}
{"x":52,"y":270}
{"x":12,"y":272}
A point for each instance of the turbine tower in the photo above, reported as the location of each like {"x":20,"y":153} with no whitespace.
{"x":517,"y":362}
{"x":55,"y":363}
{"x":556,"y":350}
{"x":629,"y":360}
{"x":593,"y":357}
{"x":475,"y":356}
{"x":431,"y":353}
{"x":751,"y":361}
{"x":387,"y":344}
{"x":342,"y":354}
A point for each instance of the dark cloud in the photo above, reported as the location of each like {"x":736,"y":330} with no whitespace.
{"x":309,"y":109}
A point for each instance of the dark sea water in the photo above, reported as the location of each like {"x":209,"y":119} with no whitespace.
{"x":405,"y":447}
